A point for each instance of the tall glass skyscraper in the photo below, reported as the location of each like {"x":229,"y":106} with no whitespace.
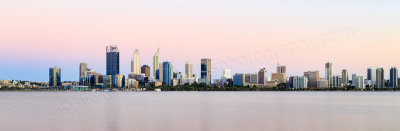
{"x":371,"y":76}
{"x":82,"y":68}
{"x":156,"y":59}
{"x":168,"y":73}
{"x":345,"y":78}
{"x":394,"y":76}
{"x":54,"y":76}
{"x":206,"y":69}
{"x":112,"y":60}
{"x":328,"y":73}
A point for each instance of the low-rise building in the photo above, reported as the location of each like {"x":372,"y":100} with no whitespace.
{"x":76,"y":88}
{"x":238,"y":79}
{"x":323,"y":83}
{"x":205,"y":81}
{"x":157,"y":84}
{"x":4,"y":82}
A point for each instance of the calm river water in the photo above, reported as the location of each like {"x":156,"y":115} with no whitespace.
{"x":200,"y":111}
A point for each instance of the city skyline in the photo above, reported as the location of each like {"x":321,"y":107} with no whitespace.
{"x":249,"y":34}
{"x":279,"y":68}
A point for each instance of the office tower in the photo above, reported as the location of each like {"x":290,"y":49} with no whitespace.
{"x":394,"y":76}
{"x":247,"y":78}
{"x":280,"y":69}
{"x":119,"y":81}
{"x":328,"y":73}
{"x":189,"y":70}
{"x":238,"y":80}
{"x":299,"y":82}
{"x":167,"y":73}
{"x":313,"y":78}
{"x":278,"y":77}
{"x":177,"y":75}
{"x":108,"y":82}
{"x":112,"y":60}
{"x":146,"y":70}
{"x":335,"y":81}
{"x":262,"y":76}
{"x":254,"y":78}
{"x":371,"y":76}
{"x":380,"y":77}
{"x":156,"y":62}
{"x":82,"y":68}
{"x":358,"y":81}
{"x":54,"y":76}
{"x":135,"y":63}
{"x":345,"y":78}
{"x":206,"y":69}
{"x":160,"y":72}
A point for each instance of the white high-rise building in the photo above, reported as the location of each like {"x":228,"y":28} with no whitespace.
{"x":189,"y":70}
{"x":156,"y":61}
{"x":358,"y":81}
{"x":135,"y":63}
{"x":300,"y":82}
{"x":226,"y":74}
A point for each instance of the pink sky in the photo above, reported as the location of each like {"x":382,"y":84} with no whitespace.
{"x":35,"y":35}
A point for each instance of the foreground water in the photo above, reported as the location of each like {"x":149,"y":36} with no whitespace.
{"x":199,"y":111}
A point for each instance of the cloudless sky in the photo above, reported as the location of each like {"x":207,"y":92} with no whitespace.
{"x":243,"y":36}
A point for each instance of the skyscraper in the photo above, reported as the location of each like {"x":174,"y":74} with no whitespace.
{"x":380,"y":77}
{"x":112,"y":60}
{"x":54,"y":76}
{"x":168,"y":72}
{"x":206,"y":69}
{"x":300,"y":82}
{"x":345,"y":78}
{"x":280,"y":69}
{"x":189,"y":70}
{"x":328,"y":73}
{"x":135,"y":63}
{"x":82,"y":68}
{"x":358,"y":81}
{"x":313,"y":78}
{"x":262,"y":76}
{"x":156,"y":62}
{"x":335,"y":81}
{"x":394,"y":76}
{"x":160,"y":72}
{"x":371,"y":76}
{"x":146,"y":70}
